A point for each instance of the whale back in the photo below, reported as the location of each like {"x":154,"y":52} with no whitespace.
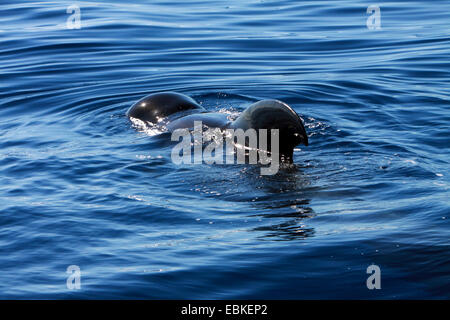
{"x":158,"y":106}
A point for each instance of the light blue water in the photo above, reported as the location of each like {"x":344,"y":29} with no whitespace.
{"x":81,"y":186}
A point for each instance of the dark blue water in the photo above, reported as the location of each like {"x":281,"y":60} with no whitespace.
{"x":80,"y":185}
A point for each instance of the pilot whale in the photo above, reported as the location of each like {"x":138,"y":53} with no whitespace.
{"x":181,"y":111}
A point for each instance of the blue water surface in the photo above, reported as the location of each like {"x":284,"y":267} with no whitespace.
{"x":81,"y":185}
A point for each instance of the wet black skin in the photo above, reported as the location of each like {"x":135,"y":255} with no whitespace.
{"x":161,"y":105}
{"x":183,"y":111}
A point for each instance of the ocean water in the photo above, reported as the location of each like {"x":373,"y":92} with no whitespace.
{"x":81,"y":185}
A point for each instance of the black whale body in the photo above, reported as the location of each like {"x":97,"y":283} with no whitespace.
{"x":183,"y":111}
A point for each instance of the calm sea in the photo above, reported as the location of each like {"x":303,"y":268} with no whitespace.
{"x":81,"y":186}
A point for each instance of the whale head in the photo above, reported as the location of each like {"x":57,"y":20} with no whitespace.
{"x":274,"y":114}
